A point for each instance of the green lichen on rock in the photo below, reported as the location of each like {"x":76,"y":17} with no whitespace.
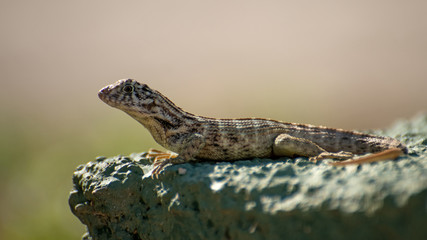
{"x":258,"y":199}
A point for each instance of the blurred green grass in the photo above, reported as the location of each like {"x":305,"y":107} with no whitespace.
{"x":37,"y":163}
{"x":364,"y":68}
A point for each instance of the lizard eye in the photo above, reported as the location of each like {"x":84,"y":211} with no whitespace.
{"x":128,"y":89}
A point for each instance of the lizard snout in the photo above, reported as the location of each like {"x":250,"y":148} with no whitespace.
{"x":104,"y":92}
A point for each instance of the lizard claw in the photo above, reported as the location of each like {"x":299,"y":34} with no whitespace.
{"x":159,"y":165}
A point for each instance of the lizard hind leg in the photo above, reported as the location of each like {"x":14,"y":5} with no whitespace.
{"x":339,"y":155}
{"x":287,"y":145}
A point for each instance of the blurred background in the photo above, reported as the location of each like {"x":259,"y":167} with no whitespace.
{"x":353,"y":65}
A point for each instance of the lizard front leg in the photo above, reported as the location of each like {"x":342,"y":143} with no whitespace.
{"x":287,"y":145}
{"x":190,"y":148}
{"x":157,"y":155}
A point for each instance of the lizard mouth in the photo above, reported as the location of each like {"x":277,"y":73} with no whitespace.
{"x":104,"y":95}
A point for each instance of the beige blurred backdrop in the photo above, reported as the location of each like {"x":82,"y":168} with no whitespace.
{"x":347,"y":64}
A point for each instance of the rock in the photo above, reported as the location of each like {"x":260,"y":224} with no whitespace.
{"x":258,"y":199}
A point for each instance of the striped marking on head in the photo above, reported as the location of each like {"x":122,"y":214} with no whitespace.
{"x":128,"y":95}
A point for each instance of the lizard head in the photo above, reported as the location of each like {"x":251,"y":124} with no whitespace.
{"x":130,"y":96}
{"x":149,"y":107}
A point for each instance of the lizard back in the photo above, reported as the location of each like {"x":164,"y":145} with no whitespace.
{"x":227,"y":139}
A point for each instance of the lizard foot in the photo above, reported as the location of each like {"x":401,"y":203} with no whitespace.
{"x":324,"y":155}
{"x":160,"y":164}
{"x":389,"y":154}
{"x":160,"y":155}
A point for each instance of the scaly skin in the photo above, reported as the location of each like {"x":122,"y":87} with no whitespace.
{"x":202,"y":138}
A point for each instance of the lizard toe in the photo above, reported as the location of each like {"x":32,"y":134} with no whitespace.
{"x":159,"y":166}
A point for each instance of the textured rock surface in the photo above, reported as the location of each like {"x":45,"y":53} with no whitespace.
{"x":258,"y":199}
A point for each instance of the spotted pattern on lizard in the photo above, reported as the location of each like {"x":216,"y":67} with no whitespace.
{"x":197,"y":138}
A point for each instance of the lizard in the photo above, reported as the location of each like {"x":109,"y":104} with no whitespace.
{"x":198,"y":138}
